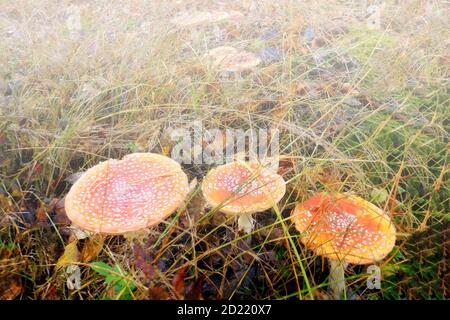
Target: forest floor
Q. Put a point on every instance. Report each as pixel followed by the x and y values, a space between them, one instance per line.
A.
pixel 359 94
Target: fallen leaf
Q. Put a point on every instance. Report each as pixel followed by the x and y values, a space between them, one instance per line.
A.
pixel 2 138
pixel 194 290
pixel 41 216
pixel 5 202
pixel 71 255
pixel 285 166
pixel 76 233
pixel 144 262
pixel 10 288
pixel 178 280
pixel 157 293
pixel 91 248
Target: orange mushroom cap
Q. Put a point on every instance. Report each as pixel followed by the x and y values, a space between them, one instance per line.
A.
pixel 344 227
pixel 118 196
pixel 241 188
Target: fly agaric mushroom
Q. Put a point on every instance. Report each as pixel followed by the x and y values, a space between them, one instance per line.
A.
pixel 118 196
pixel 242 188
pixel 345 229
pixel 228 60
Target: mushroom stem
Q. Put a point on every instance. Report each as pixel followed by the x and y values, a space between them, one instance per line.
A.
pixel 245 222
pixel 337 278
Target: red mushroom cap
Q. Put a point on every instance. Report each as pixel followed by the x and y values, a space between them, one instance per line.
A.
pixel 118 196
pixel 240 188
pixel 344 227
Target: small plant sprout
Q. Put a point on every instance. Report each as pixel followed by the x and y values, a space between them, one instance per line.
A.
pixel 119 196
pixel 345 229
pixel 243 188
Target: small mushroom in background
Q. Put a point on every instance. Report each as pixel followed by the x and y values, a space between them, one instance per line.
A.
pixel 239 62
pixel 119 196
pixel 217 55
pixel 230 60
pixel 345 229
pixel 243 188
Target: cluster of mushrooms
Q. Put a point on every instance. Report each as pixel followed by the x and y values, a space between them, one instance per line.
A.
pixel 142 189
